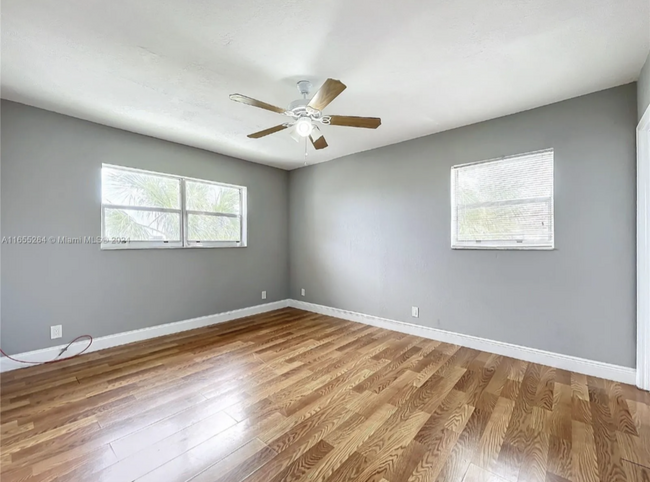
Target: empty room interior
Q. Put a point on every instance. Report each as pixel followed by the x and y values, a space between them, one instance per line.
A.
pixel 264 241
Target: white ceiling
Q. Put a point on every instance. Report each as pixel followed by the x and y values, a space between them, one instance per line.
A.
pixel 165 67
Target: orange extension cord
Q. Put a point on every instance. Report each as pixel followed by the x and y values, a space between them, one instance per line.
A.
pixel 57 359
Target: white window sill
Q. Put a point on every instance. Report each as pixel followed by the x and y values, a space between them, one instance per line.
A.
pixel 508 248
pixel 129 246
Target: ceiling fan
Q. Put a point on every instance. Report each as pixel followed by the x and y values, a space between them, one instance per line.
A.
pixel 306 113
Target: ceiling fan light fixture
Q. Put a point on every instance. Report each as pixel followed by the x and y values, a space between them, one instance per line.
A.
pixel 304 127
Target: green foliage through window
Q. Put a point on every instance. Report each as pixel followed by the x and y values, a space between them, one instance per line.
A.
pixel 144 206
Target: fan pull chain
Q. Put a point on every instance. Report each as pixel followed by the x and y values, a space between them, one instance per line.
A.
pixel 304 96
pixel 305 151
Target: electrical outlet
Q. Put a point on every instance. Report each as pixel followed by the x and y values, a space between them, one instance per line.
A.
pixel 302 292
pixel 415 312
pixel 263 295
pixel 56 331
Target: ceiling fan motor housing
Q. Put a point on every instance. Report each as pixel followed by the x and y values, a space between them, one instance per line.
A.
pixel 299 105
pixel 299 108
pixel 304 87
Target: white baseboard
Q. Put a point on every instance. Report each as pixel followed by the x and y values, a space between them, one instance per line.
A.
pixel 138 335
pixel 556 360
pixel 566 362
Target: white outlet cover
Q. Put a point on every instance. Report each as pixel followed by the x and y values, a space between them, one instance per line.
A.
pixel 263 295
pixel 302 292
pixel 56 331
pixel 415 311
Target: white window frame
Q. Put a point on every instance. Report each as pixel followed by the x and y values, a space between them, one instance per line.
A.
pixel 182 212
pixel 506 244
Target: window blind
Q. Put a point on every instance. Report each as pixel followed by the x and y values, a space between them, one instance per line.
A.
pixel 504 203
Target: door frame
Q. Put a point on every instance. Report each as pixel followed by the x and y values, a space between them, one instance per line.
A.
pixel 643 251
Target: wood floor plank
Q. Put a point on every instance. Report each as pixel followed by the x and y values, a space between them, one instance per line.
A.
pixel 167 449
pixel 492 439
pixel 635 472
pixel 235 466
pixel 559 457
pixel 290 395
pixel 247 467
pixel 198 413
pixel 584 461
pixel 477 474
pixel 606 442
pixel 433 461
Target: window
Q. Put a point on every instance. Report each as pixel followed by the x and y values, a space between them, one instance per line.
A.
pixel 153 210
pixel 504 203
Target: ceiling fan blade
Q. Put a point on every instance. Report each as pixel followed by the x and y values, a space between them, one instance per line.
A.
pixel 317 139
pixel 352 121
pixel 256 103
pixel 266 132
pixel 326 94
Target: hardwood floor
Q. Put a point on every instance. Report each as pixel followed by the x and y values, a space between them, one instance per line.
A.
pixel 290 395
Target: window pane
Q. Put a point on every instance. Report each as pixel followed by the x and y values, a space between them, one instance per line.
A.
pixel 508 200
pixel 201 196
pixel 213 228
pixel 527 222
pixel 142 225
pixel 129 188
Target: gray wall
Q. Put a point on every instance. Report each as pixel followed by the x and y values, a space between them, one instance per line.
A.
pixel 643 88
pixel 371 233
pixel 51 186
